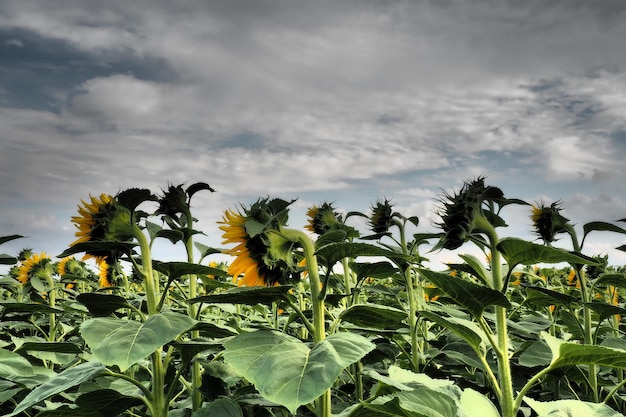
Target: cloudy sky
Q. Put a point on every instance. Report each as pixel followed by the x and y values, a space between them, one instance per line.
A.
pixel 345 102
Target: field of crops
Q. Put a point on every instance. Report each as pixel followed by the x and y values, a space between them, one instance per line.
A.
pixel 318 319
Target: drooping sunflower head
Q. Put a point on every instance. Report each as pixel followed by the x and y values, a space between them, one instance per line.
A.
pixel 106 273
pixel 594 271
pixel 69 265
pixel 381 218
pixel 176 200
pixel 262 255
pixel 547 221
pixel 102 219
pixel 37 265
pixel 461 211
pixel 323 219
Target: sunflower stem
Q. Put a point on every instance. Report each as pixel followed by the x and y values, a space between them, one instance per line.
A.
pixel 157 397
pixel 196 372
pixel 586 299
pixel 507 398
pixel 317 300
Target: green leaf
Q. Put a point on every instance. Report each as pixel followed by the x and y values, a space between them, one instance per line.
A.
pixel 107 399
pixel 570 408
pixel 330 254
pixel 4 239
pixel 7 259
pixel 66 379
pixel 28 308
pixel 246 295
pixel 475 404
pixel 124 343
pixel 287 371
pixel 381 270
pixel 544 297
pixel 472 296
pixel 391 408
pixel 423 401
pixel 517 251
pixel 537 354
pixel 604 310
pixel 374 316
pixel 567 354
pixel 222 407
pixel 14 365
pixel 101 304
pixel 477 268
pixel 67 411
pixel 175 270
pixel 467 330
pixel 58 347
pixel 618 280
pixel 600 226
pixel 103 247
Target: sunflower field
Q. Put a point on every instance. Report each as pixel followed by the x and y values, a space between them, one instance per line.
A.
pixel 318 320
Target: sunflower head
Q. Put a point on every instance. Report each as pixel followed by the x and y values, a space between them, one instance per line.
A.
pixel 107 272
pixel 102 219
pixel 323 219
pixel 594 271
pixel 70 265
pixel 548 222
pixel 36 266
pixel 176 200
pixel 264 256
pixel 460 212
pixel 381 218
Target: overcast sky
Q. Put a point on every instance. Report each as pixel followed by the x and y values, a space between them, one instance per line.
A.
pixel 339 101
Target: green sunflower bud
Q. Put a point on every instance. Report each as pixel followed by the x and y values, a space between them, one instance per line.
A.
pixel 548 222
pixel 381 219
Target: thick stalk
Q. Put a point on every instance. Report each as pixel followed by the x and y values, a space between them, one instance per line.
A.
pixel 157 395
pixel 587 321
pixel 416 347
pixel 507 399
pixel 317 301
pixel 196 372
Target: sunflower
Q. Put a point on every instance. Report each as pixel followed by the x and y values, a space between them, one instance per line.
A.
pixel 102 219
pixel 548 222
pixel 465 214
pixel 382 217
pixel 37 264
pixel 263 254
pixel 323 219
pixel 244 264
pixel 105 272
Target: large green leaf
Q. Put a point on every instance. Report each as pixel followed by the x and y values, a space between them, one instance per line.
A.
pixel 174 270
pixel 424 402
pixel 567 354
pixel 102 304
pixel 124 343
pixel 381 269
pixel 14 365
pixel 600 226
pixel 391 408
pixel 468 330
pixel 66 379
pixel 570 408
pixel 222 407
pixel 374 316
pixel 245 295
pixel 286 370
pixel 472 296
pixel 107 399
pixel 330 254
pixel 518 251
pixel 475 404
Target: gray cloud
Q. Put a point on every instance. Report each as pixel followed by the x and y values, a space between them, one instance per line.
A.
pixel 264 97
